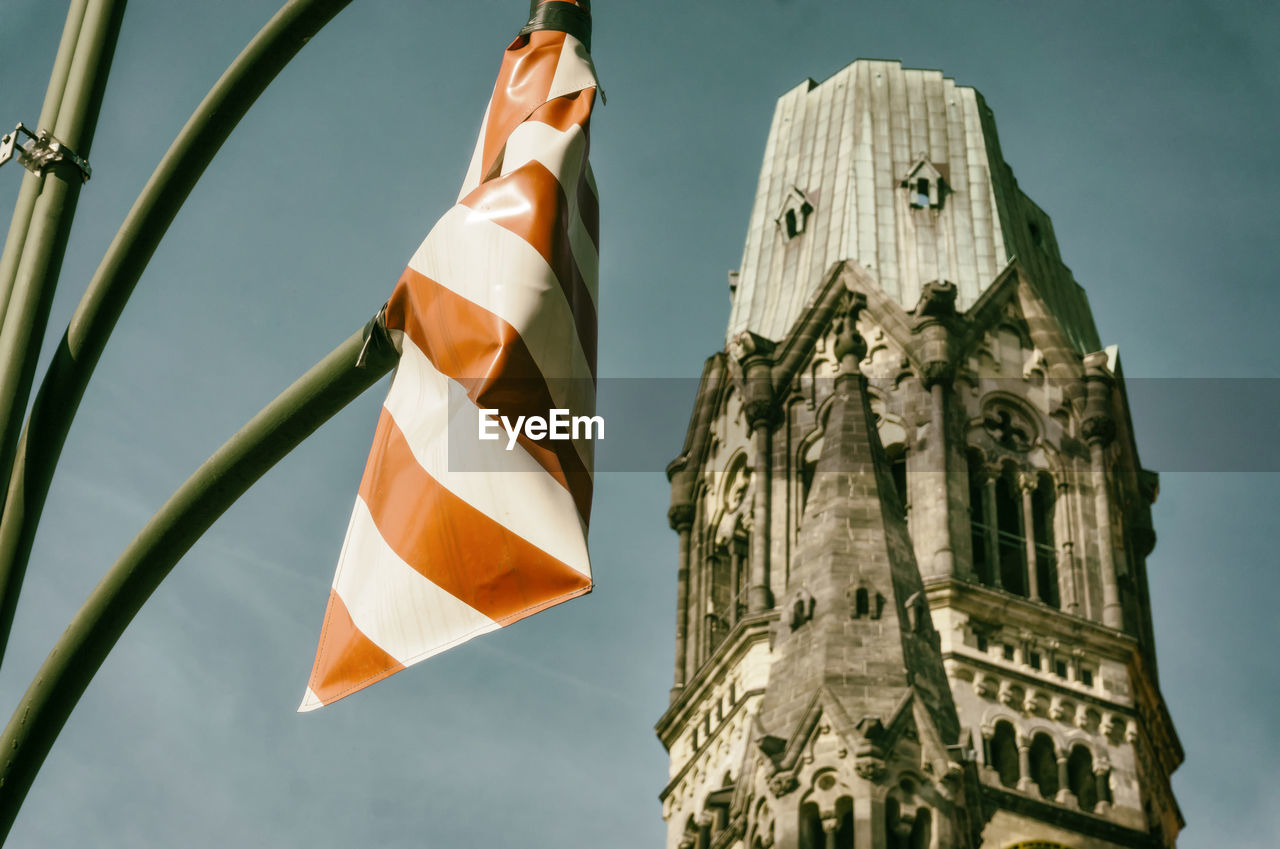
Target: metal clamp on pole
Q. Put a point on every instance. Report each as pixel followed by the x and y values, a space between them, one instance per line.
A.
pixel 42 153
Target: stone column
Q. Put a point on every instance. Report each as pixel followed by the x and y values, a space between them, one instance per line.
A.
pixel 1099 429
pixel 830 825
pixel 694 607
pixel 1067 577
pixel 935 314
pixel 1027 483
pixel 1064 788
pixel 1112 614
pixel 760 597
pixel 1024 763
pixel 1101 775
pixel 753 353
pixel 944 562
pixel 993 533
pixel 680 516
pixel 737 547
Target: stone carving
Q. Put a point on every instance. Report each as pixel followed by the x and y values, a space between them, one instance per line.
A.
pixel 782 784
pixel 1008 429
pixel 872 769
pixel 868 753
pixel 802 604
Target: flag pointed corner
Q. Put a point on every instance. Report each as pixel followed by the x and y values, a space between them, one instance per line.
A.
pixel 310 701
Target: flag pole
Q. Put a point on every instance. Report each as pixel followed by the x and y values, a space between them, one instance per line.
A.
pixel 30 189
pixel 48 228
pixel 104 300
pixel 282 425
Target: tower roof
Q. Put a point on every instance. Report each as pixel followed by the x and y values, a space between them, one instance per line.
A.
pixel 858 148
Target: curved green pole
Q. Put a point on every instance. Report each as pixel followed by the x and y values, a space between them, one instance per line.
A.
pixel 49 227
pixel 209 126
pixel 30 182
pixel 324 390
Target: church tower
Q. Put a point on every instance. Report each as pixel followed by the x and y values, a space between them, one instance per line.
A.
pixel 912 604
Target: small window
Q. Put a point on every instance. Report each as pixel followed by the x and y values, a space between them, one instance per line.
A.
pixel 1033 658
pixel 922 192
pixel 1086 676
pixel 1008 652
pixel 1036 238
pixel 1060 668
pixel 794 214
pixel 982 642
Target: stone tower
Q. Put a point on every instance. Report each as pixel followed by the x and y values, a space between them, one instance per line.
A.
pixel 912 604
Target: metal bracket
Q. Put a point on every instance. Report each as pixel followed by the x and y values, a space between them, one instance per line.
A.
pixel 42 153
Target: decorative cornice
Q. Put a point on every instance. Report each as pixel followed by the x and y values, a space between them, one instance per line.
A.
pixel 1080 822
pixel 748 632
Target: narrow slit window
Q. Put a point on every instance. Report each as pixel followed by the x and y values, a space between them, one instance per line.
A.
pixel 922 192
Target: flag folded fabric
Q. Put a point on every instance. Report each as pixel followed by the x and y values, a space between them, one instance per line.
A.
pixel 453 537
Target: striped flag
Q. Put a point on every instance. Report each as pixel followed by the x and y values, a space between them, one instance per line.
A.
pixel 453 536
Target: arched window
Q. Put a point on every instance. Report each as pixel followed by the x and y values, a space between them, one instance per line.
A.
pixel 910 829
pixel 1011 544
pixel 1042 503
pixel 1080 777
pixel 1044 765
pixel 844 818
pixel 717 615
pixel 921 830
pixel 808 467
pixel 811 836
pixel 1004 754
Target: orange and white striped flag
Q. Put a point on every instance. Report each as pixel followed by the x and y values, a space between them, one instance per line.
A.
pixel 454 536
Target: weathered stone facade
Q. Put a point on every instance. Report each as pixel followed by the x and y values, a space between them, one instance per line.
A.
pixel 912 603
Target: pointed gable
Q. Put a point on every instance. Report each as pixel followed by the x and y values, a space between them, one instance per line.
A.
pixel 854 536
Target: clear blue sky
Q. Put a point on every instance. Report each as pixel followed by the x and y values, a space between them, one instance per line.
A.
pixel 1147 130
